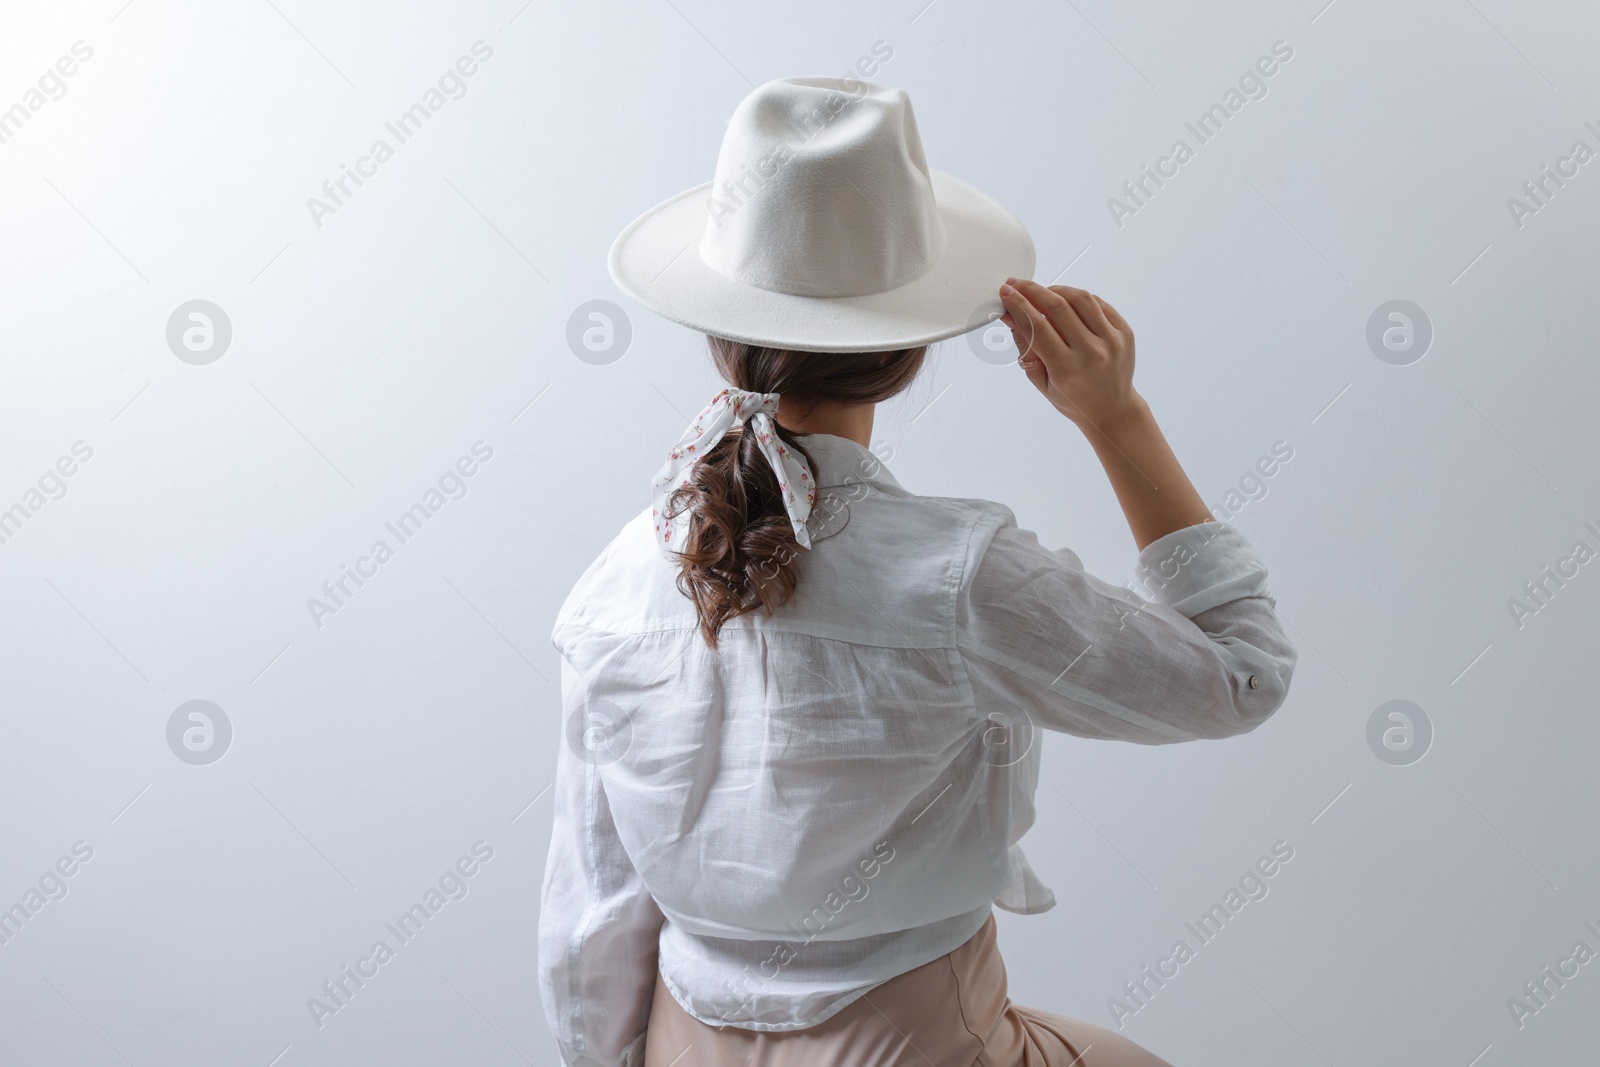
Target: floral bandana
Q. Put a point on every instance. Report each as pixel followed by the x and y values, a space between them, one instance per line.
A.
pixel 726 408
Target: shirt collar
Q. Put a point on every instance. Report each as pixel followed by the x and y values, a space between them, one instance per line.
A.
pixel 839 461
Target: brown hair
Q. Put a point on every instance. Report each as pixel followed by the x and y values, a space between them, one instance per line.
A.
pixel 739 550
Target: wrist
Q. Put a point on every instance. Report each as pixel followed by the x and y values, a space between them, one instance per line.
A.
pixel 1133 415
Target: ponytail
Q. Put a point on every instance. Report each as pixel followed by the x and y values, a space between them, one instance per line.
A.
pixel 740 552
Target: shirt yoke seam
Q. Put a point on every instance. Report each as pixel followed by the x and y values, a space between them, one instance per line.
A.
pixel 942 641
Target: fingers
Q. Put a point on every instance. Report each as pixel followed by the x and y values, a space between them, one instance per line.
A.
pixel 1062 322
pixel 1030 328
pixel 1062 315
pixel 1087 305
pixel 1116 320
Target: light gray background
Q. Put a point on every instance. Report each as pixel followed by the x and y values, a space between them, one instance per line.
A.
pixel 430 312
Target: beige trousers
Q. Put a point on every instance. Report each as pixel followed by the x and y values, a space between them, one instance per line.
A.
pixel 952 1012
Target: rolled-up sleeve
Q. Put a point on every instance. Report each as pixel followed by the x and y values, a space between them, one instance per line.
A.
pixel 598 925
pixel 1203 656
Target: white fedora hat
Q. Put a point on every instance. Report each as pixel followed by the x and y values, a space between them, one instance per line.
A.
pixel 824 230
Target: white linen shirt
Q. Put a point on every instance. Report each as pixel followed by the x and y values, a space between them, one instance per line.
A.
pixel 834 796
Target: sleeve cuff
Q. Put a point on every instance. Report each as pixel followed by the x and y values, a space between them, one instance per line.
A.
pixel 1025 893
pixel 633 1055
pixel 1198 567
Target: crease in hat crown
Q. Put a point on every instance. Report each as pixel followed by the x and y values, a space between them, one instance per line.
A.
pixel 822 189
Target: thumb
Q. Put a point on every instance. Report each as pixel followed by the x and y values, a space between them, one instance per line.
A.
pixel 1034 368
pixel 1028 360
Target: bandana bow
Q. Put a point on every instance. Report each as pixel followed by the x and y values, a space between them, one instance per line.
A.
pixel 726 408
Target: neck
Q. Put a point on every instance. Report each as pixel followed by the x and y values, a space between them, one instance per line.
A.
pixel 853 421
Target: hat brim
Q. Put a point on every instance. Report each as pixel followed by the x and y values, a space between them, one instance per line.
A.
pixel 656 260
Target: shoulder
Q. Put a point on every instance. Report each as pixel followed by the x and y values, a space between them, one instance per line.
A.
pixel 935 526
pixel 620 564
pixel 1012 552
pixel 903 554
pixel 971 525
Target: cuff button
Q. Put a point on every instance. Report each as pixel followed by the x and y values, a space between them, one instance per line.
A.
pixel 1254 683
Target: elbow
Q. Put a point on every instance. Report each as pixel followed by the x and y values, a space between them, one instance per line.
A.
pixel 1257 705
pixel 1256 692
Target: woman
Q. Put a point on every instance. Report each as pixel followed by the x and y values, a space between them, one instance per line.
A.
pixel 799 699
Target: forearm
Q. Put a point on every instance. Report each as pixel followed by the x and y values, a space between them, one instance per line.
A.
pixel 1155 493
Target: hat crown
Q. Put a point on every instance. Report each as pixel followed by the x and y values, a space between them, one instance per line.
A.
pixel 822 189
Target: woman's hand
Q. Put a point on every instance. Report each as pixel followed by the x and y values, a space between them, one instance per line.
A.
pixel 1076 350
